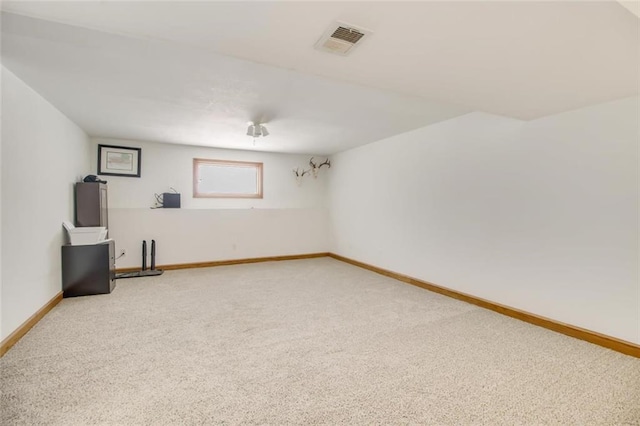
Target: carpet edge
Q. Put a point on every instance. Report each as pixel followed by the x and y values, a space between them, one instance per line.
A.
pixel 613 343
pixel 24 328
pixel 213 263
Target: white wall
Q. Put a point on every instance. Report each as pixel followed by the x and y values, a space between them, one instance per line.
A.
pixel 43 153
pixel 290 219
pixel 541 216
pixel 1 119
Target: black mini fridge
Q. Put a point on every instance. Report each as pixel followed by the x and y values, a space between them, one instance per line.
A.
pixel 88 269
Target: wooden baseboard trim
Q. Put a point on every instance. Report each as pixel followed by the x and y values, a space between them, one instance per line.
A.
pixel 230 262
pixel 13 338
pixel 613 343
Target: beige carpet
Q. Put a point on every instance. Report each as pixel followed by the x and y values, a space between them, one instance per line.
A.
pixel 303 342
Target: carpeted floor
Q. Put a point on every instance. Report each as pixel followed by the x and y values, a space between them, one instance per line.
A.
pixel 303 342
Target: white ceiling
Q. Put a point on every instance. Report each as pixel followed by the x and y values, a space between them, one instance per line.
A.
pixel 631 5
pixel 173 73
pixel 130 88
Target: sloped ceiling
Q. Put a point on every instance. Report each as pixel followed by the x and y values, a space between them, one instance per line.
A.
pixel 130 88
pixel 199 70
pixel 633 6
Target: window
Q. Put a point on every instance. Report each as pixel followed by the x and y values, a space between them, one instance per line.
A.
pixel 226 179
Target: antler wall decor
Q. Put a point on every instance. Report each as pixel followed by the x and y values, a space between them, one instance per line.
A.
pixel 299 174
pixel 315 168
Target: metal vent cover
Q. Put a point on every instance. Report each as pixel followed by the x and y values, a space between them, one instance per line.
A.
pixel 349 35
pixel 341 38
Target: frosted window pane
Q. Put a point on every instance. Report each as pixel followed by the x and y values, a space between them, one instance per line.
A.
pixel 232 179
pixel 228 180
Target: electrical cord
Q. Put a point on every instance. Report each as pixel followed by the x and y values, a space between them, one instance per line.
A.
pixel 159 201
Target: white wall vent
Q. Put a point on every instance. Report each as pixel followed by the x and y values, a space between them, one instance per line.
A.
pixel 341 38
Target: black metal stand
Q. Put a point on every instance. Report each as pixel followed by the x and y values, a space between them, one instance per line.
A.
pixel 144 272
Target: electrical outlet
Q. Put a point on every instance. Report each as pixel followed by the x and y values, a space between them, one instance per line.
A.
pixel 123 252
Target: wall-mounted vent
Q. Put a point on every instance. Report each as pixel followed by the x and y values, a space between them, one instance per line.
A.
pixel 342 38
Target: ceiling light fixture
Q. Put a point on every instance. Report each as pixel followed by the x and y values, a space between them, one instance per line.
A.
pixel 257 130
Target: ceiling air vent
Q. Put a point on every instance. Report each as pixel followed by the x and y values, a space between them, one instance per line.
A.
pixel 341 38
